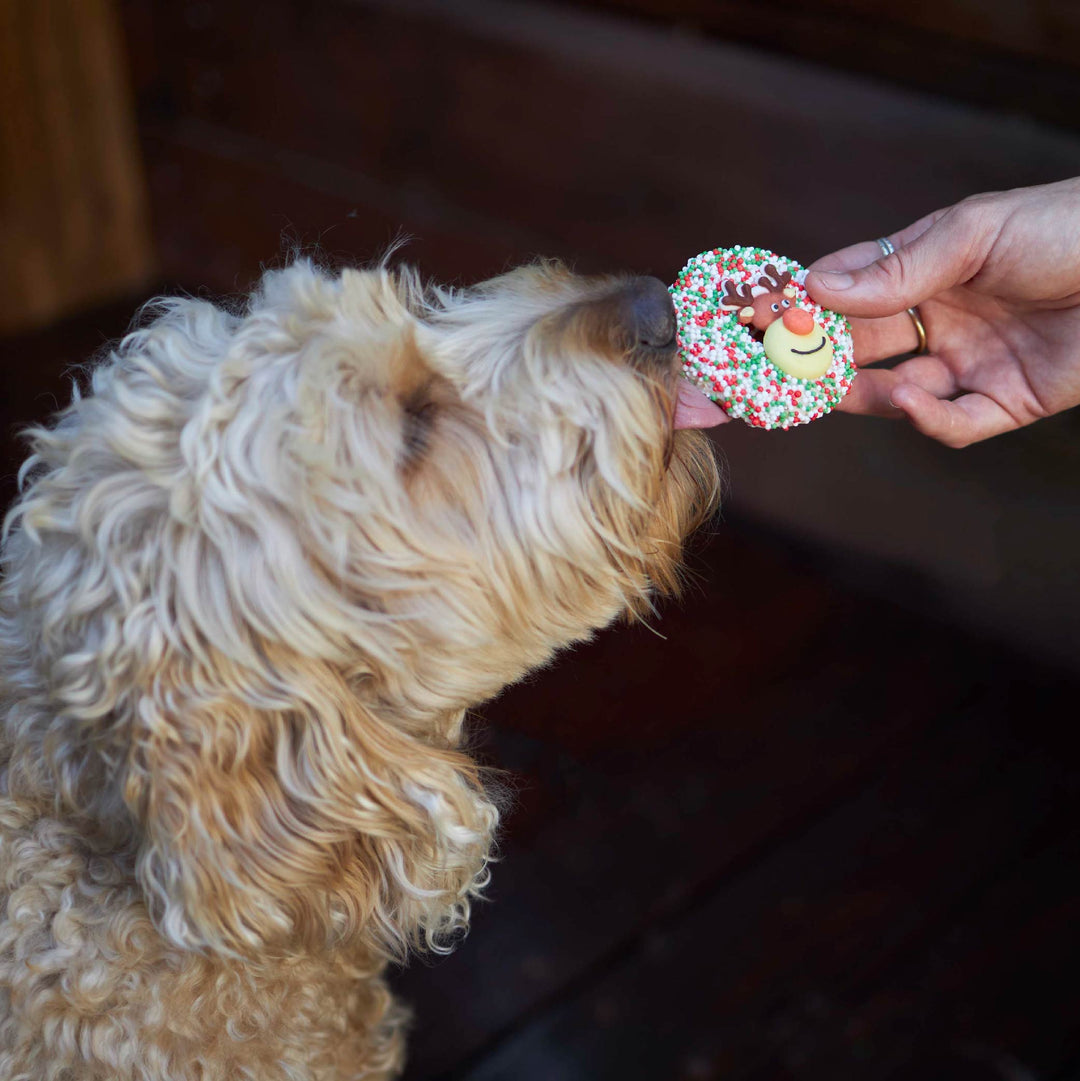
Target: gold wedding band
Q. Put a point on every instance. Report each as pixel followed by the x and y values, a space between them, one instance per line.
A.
pixel 886 246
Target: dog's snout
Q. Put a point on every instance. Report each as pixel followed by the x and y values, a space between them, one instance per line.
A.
pixel 650 313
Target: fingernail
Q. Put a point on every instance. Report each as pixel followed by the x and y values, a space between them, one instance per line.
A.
pixel 836 282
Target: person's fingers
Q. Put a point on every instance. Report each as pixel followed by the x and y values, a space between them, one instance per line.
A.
pixel 948 251
pixel 872 390
pixel 959 423
pixel 869 395
pixel 879 339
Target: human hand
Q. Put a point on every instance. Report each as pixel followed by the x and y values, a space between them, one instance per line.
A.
pixel 997 281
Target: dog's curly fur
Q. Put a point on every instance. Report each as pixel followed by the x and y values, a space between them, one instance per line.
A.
pixel 252 583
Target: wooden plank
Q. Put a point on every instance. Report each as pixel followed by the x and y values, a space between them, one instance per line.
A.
pixel 72 203
pixel 293 207
pixel 565 126
pixel 818 916
pixel 570 890
pixel 956 531
pixel 998 987
pixel 1014 55
pixel 1042 29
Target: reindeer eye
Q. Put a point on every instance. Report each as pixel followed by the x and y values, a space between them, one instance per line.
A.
pixel 776 307
pixel 787 303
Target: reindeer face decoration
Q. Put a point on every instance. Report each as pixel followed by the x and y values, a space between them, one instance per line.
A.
pixel 792 339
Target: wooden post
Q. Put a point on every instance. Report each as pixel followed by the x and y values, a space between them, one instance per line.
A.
pixel 73 218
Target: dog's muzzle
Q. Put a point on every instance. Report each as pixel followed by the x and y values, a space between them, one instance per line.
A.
pixel 649 314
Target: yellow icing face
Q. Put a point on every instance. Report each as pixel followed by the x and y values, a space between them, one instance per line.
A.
pixel 805 356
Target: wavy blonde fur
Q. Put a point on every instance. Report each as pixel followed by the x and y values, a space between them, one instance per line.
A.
pixel 252 583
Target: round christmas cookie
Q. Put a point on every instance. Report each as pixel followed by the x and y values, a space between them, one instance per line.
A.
pixel 754 342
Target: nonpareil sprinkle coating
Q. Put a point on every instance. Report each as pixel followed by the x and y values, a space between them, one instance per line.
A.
pixel 753 341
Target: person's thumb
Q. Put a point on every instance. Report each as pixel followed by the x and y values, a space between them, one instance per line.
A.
pixel 945 255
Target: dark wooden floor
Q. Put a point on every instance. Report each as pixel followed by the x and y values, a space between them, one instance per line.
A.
pixel 806 836
pixel 788 832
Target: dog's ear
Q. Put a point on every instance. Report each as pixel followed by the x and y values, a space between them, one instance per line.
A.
pixel 292 817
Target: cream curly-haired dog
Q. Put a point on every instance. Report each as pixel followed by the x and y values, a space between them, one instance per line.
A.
pixel 253 582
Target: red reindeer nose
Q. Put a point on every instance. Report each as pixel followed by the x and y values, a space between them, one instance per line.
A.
pixel 798 321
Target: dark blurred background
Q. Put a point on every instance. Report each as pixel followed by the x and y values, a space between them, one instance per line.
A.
pixel 822 825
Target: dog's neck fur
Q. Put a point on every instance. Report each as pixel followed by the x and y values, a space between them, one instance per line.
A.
pixel 77 919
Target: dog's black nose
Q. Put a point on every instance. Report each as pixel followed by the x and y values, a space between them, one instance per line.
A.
pixel 651 312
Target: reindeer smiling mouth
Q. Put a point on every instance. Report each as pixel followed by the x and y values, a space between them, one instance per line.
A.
pixel 809 352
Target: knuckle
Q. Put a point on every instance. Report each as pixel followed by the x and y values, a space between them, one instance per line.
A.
pixel 895 271
pixel 978 208
pixel 947 429
pixel 986 198
pixel 977 218
pixel 954 438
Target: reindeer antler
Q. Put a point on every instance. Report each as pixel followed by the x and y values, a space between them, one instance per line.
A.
pixel 772 279
pixel 736 294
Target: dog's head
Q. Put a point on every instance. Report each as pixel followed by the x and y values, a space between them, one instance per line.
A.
pixel 260 573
